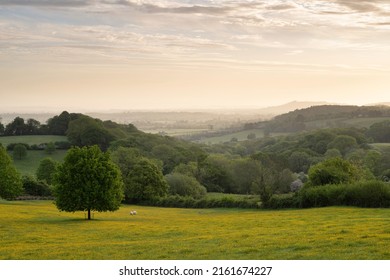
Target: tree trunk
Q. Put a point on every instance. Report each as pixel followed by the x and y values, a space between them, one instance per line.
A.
pixel 89 214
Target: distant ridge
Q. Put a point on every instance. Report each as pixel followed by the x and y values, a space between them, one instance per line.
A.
pixel 291 106
pixel 379 104
pixel 325 116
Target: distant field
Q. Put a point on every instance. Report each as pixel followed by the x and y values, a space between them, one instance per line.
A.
pixel 31 139
pixel 176 131
pixel 29 164
pixel 365 122
pixel 37 230
pixel 342 122
pixel 382 146
pixel 241 136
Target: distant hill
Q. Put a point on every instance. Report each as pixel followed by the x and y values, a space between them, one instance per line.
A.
pixel 328 116
pixel 291 106
pixel 379 104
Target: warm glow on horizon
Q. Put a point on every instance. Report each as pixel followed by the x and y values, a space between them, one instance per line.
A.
pixel 121 54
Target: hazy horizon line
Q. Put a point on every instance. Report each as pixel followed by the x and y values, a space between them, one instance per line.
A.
pixel 52 109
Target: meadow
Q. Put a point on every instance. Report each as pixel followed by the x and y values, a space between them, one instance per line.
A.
pixel 29 164
pixel 31 139
pixel 37 230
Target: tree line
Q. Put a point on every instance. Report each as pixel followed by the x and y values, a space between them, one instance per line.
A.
pixel 161 170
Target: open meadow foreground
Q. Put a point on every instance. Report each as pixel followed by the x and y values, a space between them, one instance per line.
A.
pixel 37 230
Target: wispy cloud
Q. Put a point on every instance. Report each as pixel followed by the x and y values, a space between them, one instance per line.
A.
pixel 237 29
pixel 46 3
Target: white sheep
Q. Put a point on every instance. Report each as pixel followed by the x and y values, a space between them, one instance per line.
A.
pixel 133 212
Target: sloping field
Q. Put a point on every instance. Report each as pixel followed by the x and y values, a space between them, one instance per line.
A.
pixel 37 230
pixel 29 164
pixel 31 139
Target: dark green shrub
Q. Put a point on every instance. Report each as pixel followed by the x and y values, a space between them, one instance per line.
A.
pixel 368 194
pixel 361 194
pixel 189 202
pixel 184 185
pixel 282 202
pixel 62 145
pixel 11 146
pixel 333 171
pixel 35 187
pixel 321 196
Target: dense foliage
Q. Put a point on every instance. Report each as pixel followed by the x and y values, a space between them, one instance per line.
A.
pixel 362 194
pixel 143 179
pixel 86 131
pixel 10 180
pixel 46 170
pixel 35 187
pixel 88 180
pixel 184 185
pixel 19 151
pixel 336 171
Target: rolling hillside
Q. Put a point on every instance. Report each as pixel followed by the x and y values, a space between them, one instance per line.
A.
pixel 315 117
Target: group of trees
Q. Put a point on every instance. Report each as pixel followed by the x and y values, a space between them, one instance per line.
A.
pixel 10 182
pixel 141 167
pixel 58 125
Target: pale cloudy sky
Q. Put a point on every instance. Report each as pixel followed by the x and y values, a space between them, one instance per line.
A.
pixel 140 54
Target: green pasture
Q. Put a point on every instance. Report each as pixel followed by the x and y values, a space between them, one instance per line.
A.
pixel 37 230
pixel 381 146
pixel 175 132
pixel 240 136
pixel 29 164
pixel 31 139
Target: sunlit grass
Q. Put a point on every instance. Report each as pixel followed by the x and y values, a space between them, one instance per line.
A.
pixel 37 230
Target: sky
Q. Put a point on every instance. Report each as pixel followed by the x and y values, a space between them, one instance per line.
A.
pixel 190 54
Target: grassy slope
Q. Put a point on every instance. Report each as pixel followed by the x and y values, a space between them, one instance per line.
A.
pixel 319 124
pixel 241 136
pixel 31 139
pixel 37 230
pixel 30 163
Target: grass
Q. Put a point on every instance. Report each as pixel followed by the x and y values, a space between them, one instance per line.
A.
pixel 176 131
pixel 29 164
pixel 37 230
pixel 381 146
pixel 31 139
pixel 240 136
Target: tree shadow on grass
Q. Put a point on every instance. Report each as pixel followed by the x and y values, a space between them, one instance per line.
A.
pixel 79 220
pixel 67 220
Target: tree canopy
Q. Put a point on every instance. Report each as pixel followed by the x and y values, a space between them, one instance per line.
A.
pixel 46 170
pixel 86 131
pixel 10 180
pixel 19 151
pixel 336 171
pixel 142 177
pixel 88 180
